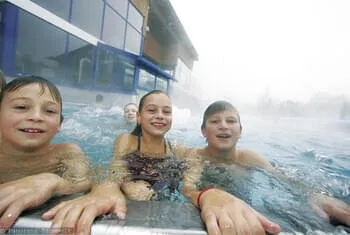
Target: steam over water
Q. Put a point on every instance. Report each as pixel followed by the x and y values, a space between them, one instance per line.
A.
pixel 314 153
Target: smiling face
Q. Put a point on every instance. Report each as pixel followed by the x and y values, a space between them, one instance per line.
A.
pixel 222 130
pixel 130 111
pixel 29 118
pixel 155 117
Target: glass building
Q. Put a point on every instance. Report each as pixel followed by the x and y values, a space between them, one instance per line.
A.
pixel 92 45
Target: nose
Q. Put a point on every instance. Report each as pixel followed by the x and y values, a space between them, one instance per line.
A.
pixel 159 114
pixel 223 124
pixel 36 114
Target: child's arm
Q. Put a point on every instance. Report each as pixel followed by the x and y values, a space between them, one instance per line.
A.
pixel 222 211
pixel 75 169
pixel 326 206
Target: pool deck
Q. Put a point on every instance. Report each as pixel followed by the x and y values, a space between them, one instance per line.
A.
pixel 143 217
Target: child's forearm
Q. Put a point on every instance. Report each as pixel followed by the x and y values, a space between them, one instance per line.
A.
pixel 191 194
pixel 65 187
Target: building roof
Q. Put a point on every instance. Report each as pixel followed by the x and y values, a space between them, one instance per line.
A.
pixel 162 16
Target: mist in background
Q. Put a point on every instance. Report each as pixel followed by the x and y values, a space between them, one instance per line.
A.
pixel 273 56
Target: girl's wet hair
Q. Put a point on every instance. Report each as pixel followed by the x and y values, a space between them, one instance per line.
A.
pixel 2 81
pixel 138 130
pixel 20 82
pixel 216 107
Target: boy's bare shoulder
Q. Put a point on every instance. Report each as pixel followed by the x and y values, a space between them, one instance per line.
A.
pixel 191 152
pixel 67 151
pixel 66 147
pixel 252 158
pixel 195 154
pixel 178 149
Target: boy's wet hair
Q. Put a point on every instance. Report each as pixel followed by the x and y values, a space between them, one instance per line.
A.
pixel 216 107
pixel 20 82
pixel 138 130
pixel 2 81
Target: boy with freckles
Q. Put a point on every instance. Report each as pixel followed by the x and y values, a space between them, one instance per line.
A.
pixel 32 170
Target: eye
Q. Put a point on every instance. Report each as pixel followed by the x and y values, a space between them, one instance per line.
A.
pixel 214 121
pixel 231 121
pixel 167 111
pixel 151 110
pixel 51 111
pixel 20 107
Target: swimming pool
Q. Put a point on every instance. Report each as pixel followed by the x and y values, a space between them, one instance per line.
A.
pixel 313 151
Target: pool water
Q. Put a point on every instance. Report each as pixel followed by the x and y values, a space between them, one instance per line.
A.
pixel 314 153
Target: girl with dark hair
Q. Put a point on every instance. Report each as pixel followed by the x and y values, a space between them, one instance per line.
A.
pixel 150 159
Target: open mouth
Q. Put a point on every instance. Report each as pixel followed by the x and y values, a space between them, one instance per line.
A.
pixel 223 136
pixel 31 130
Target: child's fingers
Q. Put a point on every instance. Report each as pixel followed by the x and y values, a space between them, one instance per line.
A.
pixel 53 211
pixel 268 225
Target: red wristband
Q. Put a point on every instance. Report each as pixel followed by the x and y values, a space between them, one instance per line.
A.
pixel 203 191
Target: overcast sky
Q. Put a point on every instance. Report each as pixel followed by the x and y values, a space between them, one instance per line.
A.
pixel 290 48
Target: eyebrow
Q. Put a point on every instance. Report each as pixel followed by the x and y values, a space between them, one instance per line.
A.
pixel 216 116
pixel 167 106
pixel 28 99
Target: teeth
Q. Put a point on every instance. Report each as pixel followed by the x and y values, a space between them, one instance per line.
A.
pixel 32 130
pixel 224 136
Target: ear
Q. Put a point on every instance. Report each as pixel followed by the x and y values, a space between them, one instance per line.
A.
pixel 204 132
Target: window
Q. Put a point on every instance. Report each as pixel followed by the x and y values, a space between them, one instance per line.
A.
pixel 132 41
pixel 135 18
pixel 115 71
pixel 146 80
pixel 79 69
pixel 40 47
pixel 162 84
pixel 113 29
pixel 59 8
pixel 119 6
pixel 87 14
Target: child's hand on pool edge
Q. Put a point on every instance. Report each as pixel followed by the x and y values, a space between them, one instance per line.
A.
pixel 224 213
pixel 28 192
pixel 80 213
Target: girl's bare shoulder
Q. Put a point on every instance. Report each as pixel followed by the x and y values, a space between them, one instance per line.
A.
pixel 125 138
pixel 124 144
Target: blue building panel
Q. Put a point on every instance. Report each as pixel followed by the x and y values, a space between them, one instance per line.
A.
pixel 33 45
